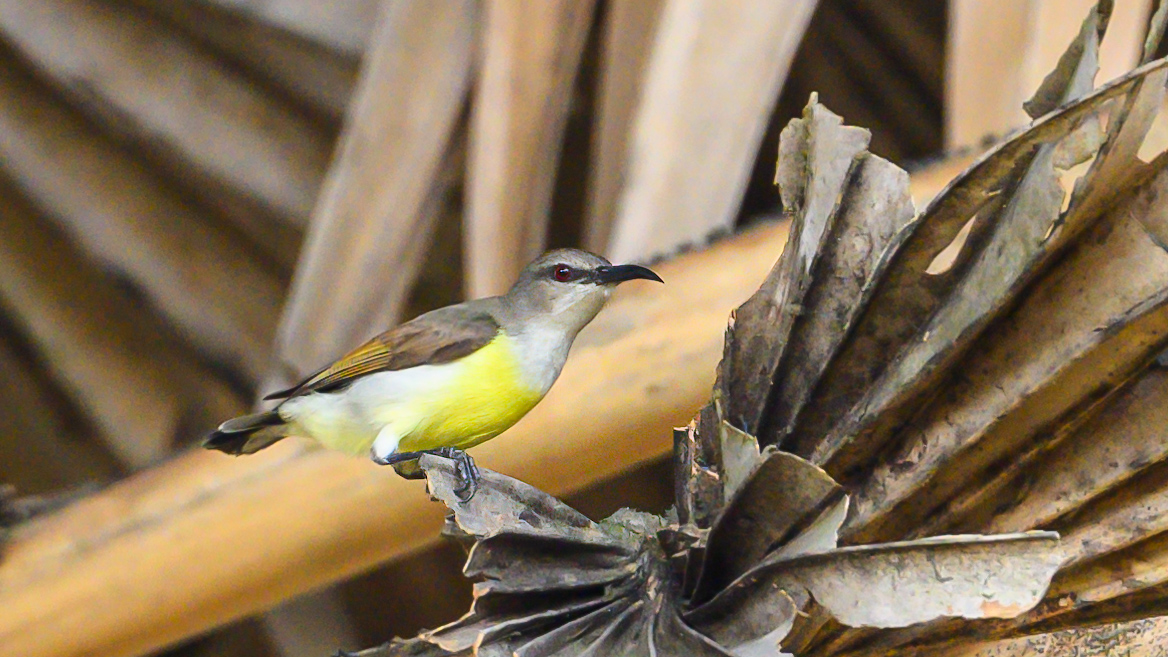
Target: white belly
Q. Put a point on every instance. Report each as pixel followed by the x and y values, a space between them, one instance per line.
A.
pixel 351 419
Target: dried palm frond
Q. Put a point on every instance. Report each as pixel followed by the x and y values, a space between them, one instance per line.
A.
pixel 989 363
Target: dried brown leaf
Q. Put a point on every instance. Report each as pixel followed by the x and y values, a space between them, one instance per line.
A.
pixel 1075 72
pixel 821 535
pixel 513 563
pixel 957 576
pixel 1122 441
pixel 671 636
pixel 483 627
pixel 555 583
pixel 817 154
pixel 1014 249
pixel 740 457
pixel 505 505
pixel 1117 170
pixel 1155 33
pixel 567 639
pixel 1103 315
pixel 749 617
pixel 784 495
pixel 969 577
pixel 627 634
pixel 907 297
pixel 874 209
pixel 697 482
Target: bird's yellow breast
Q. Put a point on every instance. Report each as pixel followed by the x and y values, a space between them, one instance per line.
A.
pixel 485 395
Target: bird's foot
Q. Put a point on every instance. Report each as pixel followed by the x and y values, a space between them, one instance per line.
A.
pixel 464 467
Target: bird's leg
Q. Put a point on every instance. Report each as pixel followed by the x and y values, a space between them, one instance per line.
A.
pixel 464 467
pixel 397 457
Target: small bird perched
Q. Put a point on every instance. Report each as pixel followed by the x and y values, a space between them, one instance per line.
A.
pixel 446 380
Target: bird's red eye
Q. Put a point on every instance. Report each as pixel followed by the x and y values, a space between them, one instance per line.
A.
pixel 563 273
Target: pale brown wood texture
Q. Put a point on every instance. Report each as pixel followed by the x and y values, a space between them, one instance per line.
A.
pixel 202 279
pixel 712 64
pixel 206 538
pixel 239 149
pixel 344 25
pixel 531 53
pixel 378 208
pixel 44 448
pixel 141 388
pixel 986 85
pixel 319 77
pixel 629 33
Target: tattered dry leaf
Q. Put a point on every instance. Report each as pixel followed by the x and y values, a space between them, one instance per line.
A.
pixel 1155 33
pixel 816 154
pixel 698 484
pixel 551 582
pixel 740 456
pixel 951 576
pixel 874 208
pixel 1109 450
pixel 554 583
pixel 875 398
pixel 1076 69
pixel 946 576
pixel 782 497
pixel 1103 318
pixel 508 506
pixel 1103 313
pixel 1079 324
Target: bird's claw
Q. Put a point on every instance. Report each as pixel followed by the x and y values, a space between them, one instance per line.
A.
pixel 465 469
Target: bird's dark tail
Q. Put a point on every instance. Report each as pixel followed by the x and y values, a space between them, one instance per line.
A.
pixel 247 434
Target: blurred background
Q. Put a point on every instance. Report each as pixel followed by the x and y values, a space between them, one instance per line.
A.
pixel 201 200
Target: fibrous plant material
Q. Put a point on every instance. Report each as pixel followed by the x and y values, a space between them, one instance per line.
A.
pixel 929 364
pixel 552 582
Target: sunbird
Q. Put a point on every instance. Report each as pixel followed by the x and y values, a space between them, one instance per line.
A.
pixel 447 380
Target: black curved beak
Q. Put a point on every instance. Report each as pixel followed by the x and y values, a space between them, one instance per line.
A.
pixel 621 273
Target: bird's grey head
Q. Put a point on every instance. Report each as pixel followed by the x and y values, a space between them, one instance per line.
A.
pixel 568 287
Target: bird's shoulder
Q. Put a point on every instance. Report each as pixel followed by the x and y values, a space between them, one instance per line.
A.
pixel 439 336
